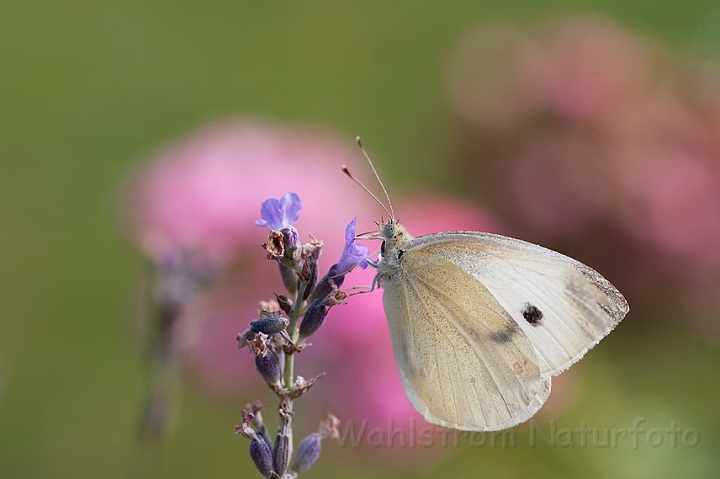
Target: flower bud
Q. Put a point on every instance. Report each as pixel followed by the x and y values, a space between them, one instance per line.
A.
pixel 313 318
pixel 307 453
pixel 264 435
pixel 291 243
pixel 257 421
pixel 259 449
pixel 309 273
pixel 282 449
pixel 281 453
pixel 261 456
pixel 289 278
pixel 273 323
pixel 330 282
pixel 309 449
pixel 268 368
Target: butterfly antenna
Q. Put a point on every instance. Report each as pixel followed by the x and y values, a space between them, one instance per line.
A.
pixel 347 172
pixel 391 212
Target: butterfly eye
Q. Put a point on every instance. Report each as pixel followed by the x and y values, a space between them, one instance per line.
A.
pixel 389 230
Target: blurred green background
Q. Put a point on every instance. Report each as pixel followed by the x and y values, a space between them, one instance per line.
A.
pixel 89 88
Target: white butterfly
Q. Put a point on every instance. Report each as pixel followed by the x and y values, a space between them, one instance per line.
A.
pixel 481 322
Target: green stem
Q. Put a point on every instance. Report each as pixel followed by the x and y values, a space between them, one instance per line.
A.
pixel 287 380
pixel 298 310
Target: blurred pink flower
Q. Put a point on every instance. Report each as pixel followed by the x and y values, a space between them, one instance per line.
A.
pixel 675 206
pixel 205 191
pixel 614 147
pixel 662 171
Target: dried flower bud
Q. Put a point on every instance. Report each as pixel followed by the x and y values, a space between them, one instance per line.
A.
pixel 281 453
pixel 289 278
pixel 261 456
pixel 313 318
pixel 259 449
pixel 284 303
pixel 268 368
pixel 282 449
pixel 313 249
pixel 275 245
pixel 335 299
pixel 309 449
pixel 264 435
pixel 272 323
pixel 309 274
pixel 257 342
pixel 268 307
pixel 307 453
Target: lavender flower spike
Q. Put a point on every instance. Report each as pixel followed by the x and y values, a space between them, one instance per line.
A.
pixel 354 254
pixel 278 214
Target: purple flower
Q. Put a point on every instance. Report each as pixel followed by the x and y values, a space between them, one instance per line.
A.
pixel 353 254
pixel 278 214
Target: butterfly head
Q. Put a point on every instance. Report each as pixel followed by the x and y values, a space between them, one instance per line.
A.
pixel 394 235
pixel 389 229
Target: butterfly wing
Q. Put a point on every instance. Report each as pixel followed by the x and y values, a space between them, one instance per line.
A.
pixel 563 306
pixel 463 360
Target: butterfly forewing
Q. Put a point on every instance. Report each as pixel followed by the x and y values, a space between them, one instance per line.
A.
pixel 463 359
pixel 562 306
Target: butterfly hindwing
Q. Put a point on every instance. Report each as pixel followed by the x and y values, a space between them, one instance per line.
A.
pixel 463 359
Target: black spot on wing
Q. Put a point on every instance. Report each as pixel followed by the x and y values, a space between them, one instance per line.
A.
pixel 532 314
pixel 505 335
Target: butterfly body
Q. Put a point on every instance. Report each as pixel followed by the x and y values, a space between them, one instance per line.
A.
pixel 481 322
pixel 396 241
